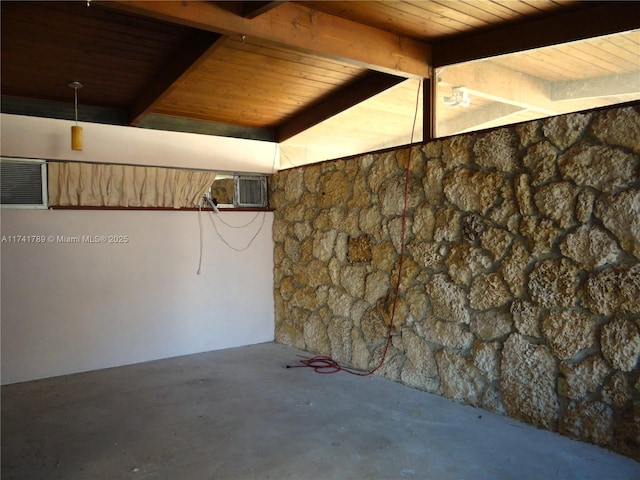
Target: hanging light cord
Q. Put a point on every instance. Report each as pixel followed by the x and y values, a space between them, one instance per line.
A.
pixel 75 90
pixel 326 365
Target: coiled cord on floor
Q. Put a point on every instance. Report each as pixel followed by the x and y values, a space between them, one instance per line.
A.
pixel 327 365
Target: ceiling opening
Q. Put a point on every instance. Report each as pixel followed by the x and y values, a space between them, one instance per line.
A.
pixel 537 83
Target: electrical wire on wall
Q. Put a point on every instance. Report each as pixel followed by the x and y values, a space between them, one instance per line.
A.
pixel 213 212
pixel 227 243
pixel 201 238
pixel 326 365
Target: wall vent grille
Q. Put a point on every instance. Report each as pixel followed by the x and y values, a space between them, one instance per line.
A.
pixel 250 191
pixel 23 183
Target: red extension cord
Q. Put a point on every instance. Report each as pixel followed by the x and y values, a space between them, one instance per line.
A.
pixel 327 365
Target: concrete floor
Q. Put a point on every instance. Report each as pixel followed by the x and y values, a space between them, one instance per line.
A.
pixel 239 414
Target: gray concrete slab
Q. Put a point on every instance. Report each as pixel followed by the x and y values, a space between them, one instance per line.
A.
pixel 239 414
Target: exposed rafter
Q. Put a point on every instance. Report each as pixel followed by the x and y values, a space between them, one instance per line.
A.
pixel 476 119
pixel 500 84
pixel 606 86
pixel 188 59
pixel 302 29
pixel 364 88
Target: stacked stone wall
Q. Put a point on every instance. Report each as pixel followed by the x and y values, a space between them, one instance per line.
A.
pixel 520 285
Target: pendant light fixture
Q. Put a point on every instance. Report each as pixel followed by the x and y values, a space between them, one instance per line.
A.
pixel 76 131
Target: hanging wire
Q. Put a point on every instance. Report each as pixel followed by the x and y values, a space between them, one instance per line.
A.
pixel 215 227
pixel 327 365
pixel 239 226
pixel 242 249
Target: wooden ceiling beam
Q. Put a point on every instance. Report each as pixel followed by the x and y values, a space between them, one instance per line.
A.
pixel 298 28
pixel 476 119
pixel 494 82
pixel 347 97
pixel 605 86
pixel 488 80
pixel 190 57
pixel 593 19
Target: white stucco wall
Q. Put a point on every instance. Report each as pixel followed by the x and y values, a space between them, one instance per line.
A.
pixel 72 307
pixel 48 138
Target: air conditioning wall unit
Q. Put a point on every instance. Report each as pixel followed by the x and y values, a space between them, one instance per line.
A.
pixel 250 191
pixel 23 183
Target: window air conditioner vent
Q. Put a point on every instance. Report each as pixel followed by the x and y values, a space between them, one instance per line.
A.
pixel 23 183
pixel 250 191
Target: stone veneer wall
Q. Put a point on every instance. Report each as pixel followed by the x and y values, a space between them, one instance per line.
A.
pixel 520 288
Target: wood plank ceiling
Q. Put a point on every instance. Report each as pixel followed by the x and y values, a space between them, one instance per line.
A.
pixel 548 81
pixel 323 78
